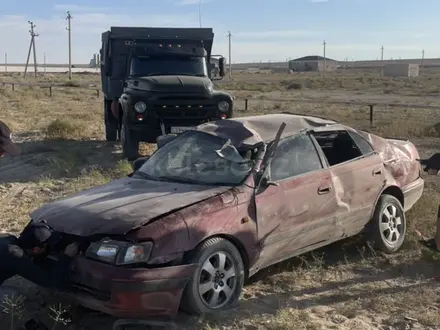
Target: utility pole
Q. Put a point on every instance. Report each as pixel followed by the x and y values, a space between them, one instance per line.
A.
pixel 200 13
pixel 69 30
pixel 32 46
pixel 230 54
pixel 381 61
pixel 6 62
pixel 423 57
pixel 325 63
pixel 44 63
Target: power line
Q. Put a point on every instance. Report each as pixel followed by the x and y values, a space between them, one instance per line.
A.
pixel 230 54
pixel 69 30
pixel 32 46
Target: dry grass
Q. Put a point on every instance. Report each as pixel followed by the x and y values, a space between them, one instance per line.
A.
pixel 428 83
pixel 345 286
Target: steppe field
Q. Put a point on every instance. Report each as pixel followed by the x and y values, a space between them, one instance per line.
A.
pixel 345 286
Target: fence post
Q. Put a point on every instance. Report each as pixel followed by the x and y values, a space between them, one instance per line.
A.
pixel 50 90
pixel 97 93
pixel 13 87
pixel 245 104
pixel 371 114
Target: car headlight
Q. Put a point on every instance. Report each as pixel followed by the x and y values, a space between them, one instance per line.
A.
pixel 223 106
pixel 119 253
pixel 140 107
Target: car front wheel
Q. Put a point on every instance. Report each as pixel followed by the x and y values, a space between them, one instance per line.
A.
pixel 217 281
pixel 388 227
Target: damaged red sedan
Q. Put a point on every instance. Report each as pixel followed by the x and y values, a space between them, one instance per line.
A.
pixel 215 204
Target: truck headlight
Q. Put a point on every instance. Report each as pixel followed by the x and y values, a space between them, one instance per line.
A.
pixel 140 107
pixel 119 253
pixel 223 106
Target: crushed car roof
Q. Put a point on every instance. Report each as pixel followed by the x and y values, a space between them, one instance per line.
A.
pixel 249 131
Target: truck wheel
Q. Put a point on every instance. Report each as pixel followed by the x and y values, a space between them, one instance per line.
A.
pixel 111 132
pixel 218 279
pixel 130 144
pixel 388 226
pixel 111 126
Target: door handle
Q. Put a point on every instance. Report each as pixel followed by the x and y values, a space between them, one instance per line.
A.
pixel 324 190
pixel 377 172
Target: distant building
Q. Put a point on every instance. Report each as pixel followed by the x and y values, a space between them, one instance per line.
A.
pixel 401 70
pixel 313 63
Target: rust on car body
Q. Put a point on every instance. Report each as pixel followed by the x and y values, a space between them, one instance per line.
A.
pixel 306 195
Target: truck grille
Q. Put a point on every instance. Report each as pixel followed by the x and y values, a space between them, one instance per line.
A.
pixel 181 109
pixel 182 98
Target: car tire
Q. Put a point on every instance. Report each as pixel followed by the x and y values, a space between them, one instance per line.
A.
pixel 205 286
pixel 388 226
pixel 130 144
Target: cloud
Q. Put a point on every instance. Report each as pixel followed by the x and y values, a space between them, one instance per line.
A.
pixel 274 45
pixel 276 34
pixel 192 2
pixel 79 9
pixel 87 28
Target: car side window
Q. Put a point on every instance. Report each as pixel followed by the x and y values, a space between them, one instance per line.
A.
pixel 295 155
pixel 364 147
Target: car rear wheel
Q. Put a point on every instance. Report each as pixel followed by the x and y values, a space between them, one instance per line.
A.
pixel 217 281
pixel 388 227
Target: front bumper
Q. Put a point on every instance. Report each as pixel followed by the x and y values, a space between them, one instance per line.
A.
pixel 128 292
pixel 413 192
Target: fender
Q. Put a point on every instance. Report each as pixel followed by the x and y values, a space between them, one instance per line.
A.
pixel 115 106
pixel 385 187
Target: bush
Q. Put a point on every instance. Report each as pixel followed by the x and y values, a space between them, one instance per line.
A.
pixel 64 129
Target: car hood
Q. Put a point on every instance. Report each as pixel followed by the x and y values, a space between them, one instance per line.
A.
pixel 181 84
pixel 120 206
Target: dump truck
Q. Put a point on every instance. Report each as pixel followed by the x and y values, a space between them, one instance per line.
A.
pixel 159 81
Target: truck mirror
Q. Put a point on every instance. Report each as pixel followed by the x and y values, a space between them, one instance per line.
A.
pixel 221 66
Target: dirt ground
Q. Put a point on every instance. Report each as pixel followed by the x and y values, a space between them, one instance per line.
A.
pixel 344 286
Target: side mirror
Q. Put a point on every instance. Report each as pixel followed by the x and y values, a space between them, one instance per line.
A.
pixel 137 164
pixel 164 139
pixel 221 66
pixel 267 183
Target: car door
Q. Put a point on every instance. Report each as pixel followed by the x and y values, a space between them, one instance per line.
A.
pixel 296 205
pixel 358 182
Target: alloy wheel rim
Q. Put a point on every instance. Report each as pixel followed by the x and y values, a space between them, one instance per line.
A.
pixel 391 224
pixel 217 280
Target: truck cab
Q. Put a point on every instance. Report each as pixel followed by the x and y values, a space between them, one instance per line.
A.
pixel 159 81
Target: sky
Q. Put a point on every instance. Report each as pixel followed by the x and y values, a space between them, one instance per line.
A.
pixel 262 30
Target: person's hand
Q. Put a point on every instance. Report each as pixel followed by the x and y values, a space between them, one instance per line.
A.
pixel 71 250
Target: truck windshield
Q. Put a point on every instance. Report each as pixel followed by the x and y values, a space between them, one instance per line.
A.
pixel 198 158
pixel 168 65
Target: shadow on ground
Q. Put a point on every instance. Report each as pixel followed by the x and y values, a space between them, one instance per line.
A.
pixel 58 159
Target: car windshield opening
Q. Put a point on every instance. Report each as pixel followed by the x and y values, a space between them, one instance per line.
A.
pixel 199 158
pixel 168 65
